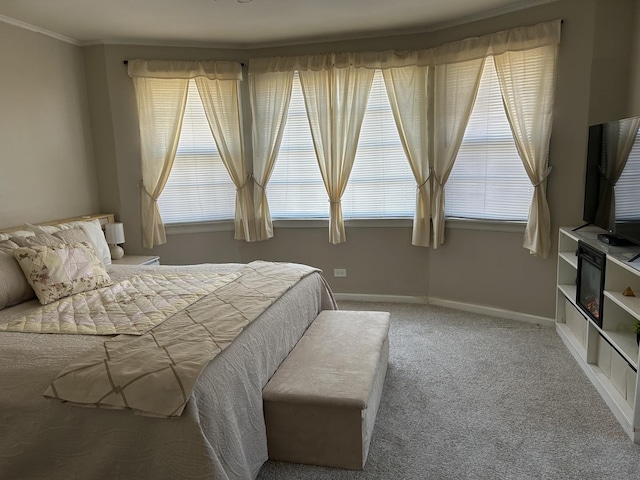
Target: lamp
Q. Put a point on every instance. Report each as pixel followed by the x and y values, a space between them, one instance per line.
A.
pixel 114 233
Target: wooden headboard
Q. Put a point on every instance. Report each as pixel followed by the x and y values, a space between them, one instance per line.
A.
pixel 102 217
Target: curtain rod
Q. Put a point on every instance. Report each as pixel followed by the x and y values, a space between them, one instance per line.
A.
pixel 126 62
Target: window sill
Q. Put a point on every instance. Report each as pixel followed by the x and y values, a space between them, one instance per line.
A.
pixel 453 223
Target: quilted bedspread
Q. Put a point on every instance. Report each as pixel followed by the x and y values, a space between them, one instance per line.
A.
pixel 155 373
pixel 131 306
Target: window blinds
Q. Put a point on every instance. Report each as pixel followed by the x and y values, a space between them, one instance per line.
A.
pixel 381 184
pixel 488 180
pixel 199 188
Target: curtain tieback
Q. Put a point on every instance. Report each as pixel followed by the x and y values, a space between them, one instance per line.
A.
pixel 423 183
pixel 544 177
pixel 142 187
pixel 256 182
pixel 245 183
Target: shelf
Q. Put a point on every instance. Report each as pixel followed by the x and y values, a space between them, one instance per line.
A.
pixel 569 291
pixel 570 340
pixel 570 258
pixel 629 304
pixel 625 343
pixel 608 356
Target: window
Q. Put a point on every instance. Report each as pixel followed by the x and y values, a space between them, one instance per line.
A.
pixel 199 188
pixel 381 184
pixel 626 188
pixel 488 180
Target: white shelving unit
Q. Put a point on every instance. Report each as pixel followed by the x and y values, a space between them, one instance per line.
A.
pixel 607 354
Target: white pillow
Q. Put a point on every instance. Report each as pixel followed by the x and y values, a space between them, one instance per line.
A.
pixel 93 229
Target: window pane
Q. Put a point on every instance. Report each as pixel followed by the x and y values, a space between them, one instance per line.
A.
pixel 626 188
pixel 295 189
pixel 488 180
pixel 381 184
pixel 199 188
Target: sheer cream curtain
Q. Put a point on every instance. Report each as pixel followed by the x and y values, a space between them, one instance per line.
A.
pixel 161 94
pixel 527 82
pixel 432 92
pixel 619 138
pixel 454 92
pixel 270 97
pixel 407 92
pixel 336 99
pixel 222 107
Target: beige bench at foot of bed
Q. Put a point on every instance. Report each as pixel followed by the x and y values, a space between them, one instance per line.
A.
pixel 320 406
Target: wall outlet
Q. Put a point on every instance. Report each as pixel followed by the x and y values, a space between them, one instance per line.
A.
pixel 339 272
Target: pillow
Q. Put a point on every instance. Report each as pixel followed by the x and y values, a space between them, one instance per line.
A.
pixel 93 229
pixel 17 233
pixel 57 271
pixel 14 288
pixel 73 235
pixel 36 240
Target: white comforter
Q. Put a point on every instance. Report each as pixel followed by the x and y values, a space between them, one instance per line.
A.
pixel 220 434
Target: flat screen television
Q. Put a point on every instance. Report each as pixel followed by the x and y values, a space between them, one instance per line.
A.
pixel 612 182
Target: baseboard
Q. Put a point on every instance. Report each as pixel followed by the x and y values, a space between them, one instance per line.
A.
pixel 364 297
pixel 466 307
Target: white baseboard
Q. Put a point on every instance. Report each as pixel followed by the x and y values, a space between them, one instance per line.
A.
pixel 466 307
pixel 364 297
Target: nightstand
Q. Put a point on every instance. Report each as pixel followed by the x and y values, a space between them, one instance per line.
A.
pixel 137 260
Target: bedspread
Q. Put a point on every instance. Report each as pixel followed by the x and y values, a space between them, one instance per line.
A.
pixel 131 306
pixel 219 436
pixel 155 373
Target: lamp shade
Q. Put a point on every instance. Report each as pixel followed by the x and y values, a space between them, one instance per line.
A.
pixel 114 233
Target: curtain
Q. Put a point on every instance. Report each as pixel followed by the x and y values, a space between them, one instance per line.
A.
pixel 527 82
pixel 618 138
pixel 161 104
pixel 222 107
pixel 407 92
pixel 336 100
pixel 455 87
pixel 161 95
pixel 270 97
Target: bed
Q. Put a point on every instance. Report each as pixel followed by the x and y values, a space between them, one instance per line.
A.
pixel 220 434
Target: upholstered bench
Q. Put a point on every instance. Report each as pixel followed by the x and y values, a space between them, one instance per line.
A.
pixel 320 406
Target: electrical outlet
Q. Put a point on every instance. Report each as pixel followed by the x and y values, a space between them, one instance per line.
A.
pixel 339 272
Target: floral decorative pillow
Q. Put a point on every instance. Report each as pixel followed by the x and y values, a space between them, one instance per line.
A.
pixel 57 271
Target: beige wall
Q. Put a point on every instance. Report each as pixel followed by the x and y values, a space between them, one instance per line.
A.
pixel 484 267
pixel 46 155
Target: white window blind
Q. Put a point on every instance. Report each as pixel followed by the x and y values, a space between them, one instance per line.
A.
pixel 381 184
pixel 626 188
pixel 488 180
pixel 296 189
pixel 199 188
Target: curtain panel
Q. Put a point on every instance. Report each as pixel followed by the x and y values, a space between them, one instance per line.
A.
pixel 270 98
pixel 161 105
pixel 336 100
pixel 222 107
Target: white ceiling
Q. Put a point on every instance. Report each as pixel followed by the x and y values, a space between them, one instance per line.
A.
pixel 236 24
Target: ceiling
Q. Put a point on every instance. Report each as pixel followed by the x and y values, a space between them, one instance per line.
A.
pixel 242 23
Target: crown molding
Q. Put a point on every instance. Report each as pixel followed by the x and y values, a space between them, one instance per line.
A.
pixel 33 28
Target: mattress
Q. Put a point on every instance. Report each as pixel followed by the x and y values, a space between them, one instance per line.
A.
pixel 220 434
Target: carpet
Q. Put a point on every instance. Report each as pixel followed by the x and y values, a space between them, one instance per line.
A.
pixel 470 396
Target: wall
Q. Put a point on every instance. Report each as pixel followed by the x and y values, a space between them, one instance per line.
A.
pixel 48 170
pixel 634 82
pixel 487 267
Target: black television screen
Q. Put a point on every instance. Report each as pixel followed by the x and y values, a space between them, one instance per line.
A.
pixel 612 181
